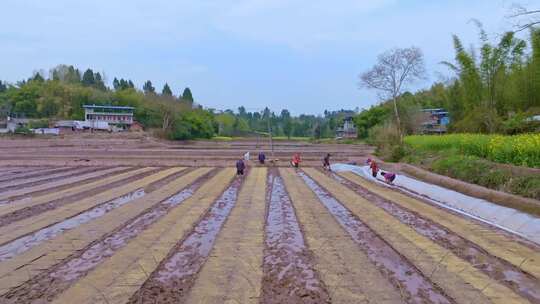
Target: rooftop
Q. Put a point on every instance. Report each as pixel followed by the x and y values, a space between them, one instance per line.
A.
pixel 108 107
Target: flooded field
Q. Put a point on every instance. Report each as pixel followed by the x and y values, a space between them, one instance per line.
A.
pixel 140 232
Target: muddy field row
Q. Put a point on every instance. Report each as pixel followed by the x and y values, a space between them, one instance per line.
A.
pixel 100 151
pixel 122 234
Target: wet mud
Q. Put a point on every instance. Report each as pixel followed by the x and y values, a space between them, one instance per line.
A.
pixel 426 199
pixel 24 243
pixel 31 173
pixel 68 185
pixel 25 213
pixel 47 178
pixel 288 272
pixel 521 283
pixel 10 171
pixel 44 287
pixel 412 284
pixel 176 274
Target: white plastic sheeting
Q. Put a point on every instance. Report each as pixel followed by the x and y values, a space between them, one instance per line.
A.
pixel 517 222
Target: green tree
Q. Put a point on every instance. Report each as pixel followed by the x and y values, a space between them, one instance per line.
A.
pixel 367 119
pixel 99 83
pixel 166 90
pixel 535 67
pixel 116 84
pixel 37 77
pixel 88 79
pixel 148 88
pixel 187 96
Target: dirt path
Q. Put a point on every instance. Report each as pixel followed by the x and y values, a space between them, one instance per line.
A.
pixel 497 244
pixel 27 202
pixel 233 272
pixel 163 234
pixel 505 273
pixel 346 270
pixel 173 278
pixel 288 272
pixel 31 172
pixel 19 210
pixel 22 244
pixel 459 279
pixel 136 260
pixel 23 227
pixel 27 172
pixel 412 284
pixel 93 174
pixel 34 181
pixel 75 242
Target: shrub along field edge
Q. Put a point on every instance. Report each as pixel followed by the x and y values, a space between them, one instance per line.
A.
pixel 520 150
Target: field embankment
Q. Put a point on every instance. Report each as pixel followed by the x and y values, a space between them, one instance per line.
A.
pixel 504 163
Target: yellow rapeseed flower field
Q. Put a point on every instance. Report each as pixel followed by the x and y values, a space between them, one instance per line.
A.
pixel 522 150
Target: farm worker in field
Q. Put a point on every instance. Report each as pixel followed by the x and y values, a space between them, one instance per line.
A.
pixel 326 162
pixel 240 167
pixel 262 158
pixel 388 177
pixel 374 168
pixel 296 160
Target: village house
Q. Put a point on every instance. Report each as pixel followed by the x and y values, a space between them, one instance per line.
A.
pixel 119 116
pixel 434 121
pixel 348 130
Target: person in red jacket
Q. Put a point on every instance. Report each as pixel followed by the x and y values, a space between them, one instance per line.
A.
pixel 296 160
pixel 374 168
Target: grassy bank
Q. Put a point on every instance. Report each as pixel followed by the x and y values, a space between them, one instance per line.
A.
pixel 479 171
pixel 520 150
pixel 503 163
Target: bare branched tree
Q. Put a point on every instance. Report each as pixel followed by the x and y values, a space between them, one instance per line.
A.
pixel 395 69
pixel 526 18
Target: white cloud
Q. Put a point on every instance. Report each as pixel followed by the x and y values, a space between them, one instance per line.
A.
pixel 321 45
pixel 299 24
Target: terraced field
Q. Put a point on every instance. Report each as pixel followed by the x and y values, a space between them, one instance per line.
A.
pixel 132 234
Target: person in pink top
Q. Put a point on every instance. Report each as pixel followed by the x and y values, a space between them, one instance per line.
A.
pixel 389 177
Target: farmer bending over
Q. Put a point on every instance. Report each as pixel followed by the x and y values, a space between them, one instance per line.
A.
pixel 388 177
pixel 262 158
pixel 296 160
pixel 240 167
pixel 326 162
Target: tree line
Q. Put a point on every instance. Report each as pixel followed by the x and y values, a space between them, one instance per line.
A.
pixel 242 122
pixel 62 94
pixel 495 88
pixel 66 90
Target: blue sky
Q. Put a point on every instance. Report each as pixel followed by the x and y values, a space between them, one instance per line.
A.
pixel 304 55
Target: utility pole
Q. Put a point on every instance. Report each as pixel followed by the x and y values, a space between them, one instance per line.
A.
pixel 270 133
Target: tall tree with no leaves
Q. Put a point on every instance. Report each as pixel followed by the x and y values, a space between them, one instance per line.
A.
pixel 526 18
pixel 395 69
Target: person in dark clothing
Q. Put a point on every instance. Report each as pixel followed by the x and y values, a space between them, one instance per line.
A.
pixel 240 167
pixel 262 158
pixel 326 162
